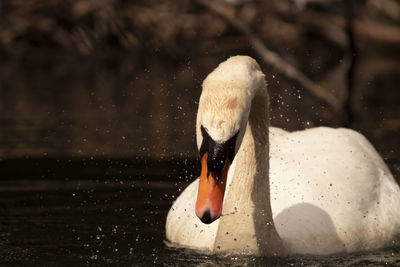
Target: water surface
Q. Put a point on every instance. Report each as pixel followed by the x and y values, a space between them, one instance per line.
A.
pixel 101 212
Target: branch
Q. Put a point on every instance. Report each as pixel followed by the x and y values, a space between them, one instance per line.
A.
pixel 332 27
pixel 377 31
pixel 273 58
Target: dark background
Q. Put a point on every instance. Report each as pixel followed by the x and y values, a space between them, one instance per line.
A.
pixel 98 103
pixel 118 78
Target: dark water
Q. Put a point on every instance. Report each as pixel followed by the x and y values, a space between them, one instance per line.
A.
pixel 99 212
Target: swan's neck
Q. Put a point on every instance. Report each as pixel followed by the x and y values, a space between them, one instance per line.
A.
pixel 246 223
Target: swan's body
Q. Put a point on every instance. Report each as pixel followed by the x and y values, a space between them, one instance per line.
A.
pixel 328 191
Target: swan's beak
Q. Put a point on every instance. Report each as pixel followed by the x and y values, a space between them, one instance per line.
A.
pixel 211 192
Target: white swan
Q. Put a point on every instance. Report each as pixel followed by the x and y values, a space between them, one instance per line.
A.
pixel 322 190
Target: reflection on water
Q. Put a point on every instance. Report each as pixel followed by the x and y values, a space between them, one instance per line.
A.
pixel 112 213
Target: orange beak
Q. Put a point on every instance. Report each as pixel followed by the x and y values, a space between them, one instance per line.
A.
pixel 211 192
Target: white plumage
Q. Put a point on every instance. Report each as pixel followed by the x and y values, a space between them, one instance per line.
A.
pixel 327 191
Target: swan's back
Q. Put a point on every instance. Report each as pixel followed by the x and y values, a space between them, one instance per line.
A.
pixel 331 191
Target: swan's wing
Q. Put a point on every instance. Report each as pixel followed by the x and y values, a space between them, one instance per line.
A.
pixel 183 228
pixel 275 132
pixel 331 191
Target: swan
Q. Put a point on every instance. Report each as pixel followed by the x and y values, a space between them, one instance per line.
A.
pixel 266 191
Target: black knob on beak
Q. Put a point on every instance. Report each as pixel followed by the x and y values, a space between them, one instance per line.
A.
pixel 216 158
pixel 218 153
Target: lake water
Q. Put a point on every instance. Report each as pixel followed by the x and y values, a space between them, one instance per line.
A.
pixel 100 212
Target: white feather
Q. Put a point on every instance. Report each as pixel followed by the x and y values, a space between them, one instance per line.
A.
pixel 330 191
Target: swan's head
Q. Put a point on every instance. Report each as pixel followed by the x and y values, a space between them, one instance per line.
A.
pixel 222 116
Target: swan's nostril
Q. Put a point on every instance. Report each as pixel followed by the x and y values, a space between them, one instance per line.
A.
pixel 206 218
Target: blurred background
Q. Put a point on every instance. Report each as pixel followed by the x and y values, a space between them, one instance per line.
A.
pixel 119 78
pixel 98 102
